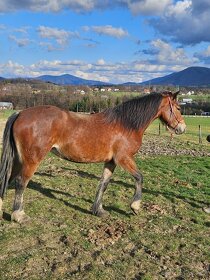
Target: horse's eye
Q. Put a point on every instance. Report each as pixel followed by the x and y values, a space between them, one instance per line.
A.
pixel 178 108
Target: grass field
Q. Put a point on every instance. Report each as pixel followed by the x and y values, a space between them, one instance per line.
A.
pixel 169 239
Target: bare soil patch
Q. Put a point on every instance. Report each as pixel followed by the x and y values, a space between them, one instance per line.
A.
pixel 154 145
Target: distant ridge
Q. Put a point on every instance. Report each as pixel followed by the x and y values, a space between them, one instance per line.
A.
pixel 191 76
pixel 67 79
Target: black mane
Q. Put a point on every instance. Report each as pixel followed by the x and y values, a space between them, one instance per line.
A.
pixel 134 113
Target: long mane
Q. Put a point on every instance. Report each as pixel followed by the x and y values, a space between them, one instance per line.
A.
pixel 135 113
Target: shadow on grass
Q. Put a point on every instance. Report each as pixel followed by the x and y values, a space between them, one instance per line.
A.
pixel 167 194
pixel 51 194
pixel 47 174
pixel 48 192
pixel 83 174
pixel 6 216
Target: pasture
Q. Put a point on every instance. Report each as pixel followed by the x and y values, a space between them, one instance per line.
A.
pixel 168 239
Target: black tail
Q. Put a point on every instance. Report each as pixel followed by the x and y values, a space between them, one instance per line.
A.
pixel 8 154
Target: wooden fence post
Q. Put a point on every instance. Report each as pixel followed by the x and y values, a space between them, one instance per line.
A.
pixel 200 134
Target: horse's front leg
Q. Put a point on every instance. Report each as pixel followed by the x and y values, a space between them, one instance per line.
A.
pixel 135 204
pixel 129 165
pixel 97 208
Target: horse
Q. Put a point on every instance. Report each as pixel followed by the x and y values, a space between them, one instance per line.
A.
pixel 113 136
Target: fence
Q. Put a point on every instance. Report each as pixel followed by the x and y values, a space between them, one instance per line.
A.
pixel 198 128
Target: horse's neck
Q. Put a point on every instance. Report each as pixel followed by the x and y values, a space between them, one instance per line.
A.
pixel 142 129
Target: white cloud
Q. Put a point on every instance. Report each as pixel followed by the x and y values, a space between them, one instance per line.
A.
pixel 148 7
pixel 48 5
pixel 180 8
pixel 12 69
pixel 81 6
pixel 206 52
pixel 118 72
pixel 203 56
pixel 101 62
pixel 60 35
pixel 109 31
pixel 50 47
pixel 23 30
pixel 167 55
pixel 185 21
pixel 21 42
pixel 91 76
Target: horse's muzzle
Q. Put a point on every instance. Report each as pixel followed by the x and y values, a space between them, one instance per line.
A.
pixel 181 127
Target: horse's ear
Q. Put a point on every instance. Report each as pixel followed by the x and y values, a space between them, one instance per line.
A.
pixel 174 95
pixel 166 93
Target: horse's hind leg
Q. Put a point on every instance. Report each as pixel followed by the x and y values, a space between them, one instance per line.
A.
pixel 97 208
pixel 22 180
pixel 15 171
pixel 1 203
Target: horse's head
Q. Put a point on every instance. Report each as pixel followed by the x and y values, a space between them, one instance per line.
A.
pixel 170 113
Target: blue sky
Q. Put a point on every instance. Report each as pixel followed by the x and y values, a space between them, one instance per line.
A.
pixel 112 41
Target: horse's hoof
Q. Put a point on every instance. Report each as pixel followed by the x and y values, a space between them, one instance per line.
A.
pixel 101 213
pixel 135 206
pixel 20 217
pixel 206 210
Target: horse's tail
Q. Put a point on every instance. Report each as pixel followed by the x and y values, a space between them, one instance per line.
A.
pixel 8 154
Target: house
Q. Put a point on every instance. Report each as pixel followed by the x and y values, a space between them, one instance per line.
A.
pixel 205 114
pixel 6 105
pixel 187 100
pixel 190 92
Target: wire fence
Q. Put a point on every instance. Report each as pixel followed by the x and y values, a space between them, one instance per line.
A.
pixel 198 128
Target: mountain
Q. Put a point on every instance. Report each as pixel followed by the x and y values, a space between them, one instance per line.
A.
pixel 191 76
pixel 67 79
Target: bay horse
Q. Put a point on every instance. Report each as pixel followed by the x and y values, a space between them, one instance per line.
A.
pixel 113 137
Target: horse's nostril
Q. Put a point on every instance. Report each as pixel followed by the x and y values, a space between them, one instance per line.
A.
pixel 177 131
pixel 180 129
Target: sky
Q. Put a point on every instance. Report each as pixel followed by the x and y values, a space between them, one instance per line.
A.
pixel 111 41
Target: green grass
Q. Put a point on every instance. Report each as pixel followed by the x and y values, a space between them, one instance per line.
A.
pixel 203 97
pixel 4 114
pixel 169 239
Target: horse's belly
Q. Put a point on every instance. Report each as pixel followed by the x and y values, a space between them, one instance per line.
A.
pixel 82 154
